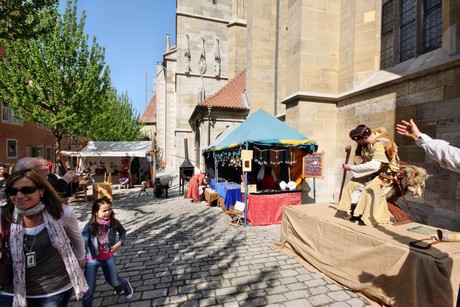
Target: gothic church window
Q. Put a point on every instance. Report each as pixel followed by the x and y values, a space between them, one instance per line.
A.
pixel 409 29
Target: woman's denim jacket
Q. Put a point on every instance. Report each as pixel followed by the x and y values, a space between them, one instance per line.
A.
pixel 91 244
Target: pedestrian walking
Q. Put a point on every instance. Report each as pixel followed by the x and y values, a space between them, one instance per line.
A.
pixel 45 242
pixel 100 236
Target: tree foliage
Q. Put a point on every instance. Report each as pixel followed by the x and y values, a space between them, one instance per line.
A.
pixel 56 78
pixel 118 121
pixel 21 18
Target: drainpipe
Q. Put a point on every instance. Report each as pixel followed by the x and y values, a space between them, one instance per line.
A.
pixel 166 110
pixel 275 94
pixel 209 126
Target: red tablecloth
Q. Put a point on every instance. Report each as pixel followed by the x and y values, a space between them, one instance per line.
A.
pixel 267 209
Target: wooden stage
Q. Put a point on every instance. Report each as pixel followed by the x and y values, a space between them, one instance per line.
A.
pixel 377 262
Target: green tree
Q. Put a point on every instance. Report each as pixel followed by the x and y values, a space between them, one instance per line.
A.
pixel 56 79
pixel 117 122
pixel 21 18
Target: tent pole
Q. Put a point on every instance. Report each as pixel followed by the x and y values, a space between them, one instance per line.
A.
pixel 246 192
pixel 216 175
pixel 314 190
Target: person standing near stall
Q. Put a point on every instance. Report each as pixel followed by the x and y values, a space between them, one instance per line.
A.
pixel 194 185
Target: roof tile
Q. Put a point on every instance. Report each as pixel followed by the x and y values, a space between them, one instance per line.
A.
pixel 150 113
pixel 230 96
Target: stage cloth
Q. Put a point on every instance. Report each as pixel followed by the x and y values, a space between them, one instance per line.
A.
pixel 377 262
pixel 267 209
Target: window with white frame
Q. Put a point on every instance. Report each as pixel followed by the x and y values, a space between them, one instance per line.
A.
pixel 38 151
pixel 409 28
pixel 11 148
pixel 48 153
pixel 9 116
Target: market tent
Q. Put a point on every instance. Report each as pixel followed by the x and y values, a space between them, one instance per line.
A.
pixel 112 149
pixel 222 136
pixel 261 128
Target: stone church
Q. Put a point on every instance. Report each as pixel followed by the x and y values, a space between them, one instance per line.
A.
pixel 323 67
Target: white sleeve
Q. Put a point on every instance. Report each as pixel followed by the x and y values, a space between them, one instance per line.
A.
pixel 440 151
pixel 365 169
pixel 72 230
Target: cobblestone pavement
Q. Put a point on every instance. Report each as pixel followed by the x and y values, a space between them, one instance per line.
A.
pixel 179 253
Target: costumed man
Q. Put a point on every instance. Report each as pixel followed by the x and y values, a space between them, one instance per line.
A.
pixel 194 185
pixel 375 162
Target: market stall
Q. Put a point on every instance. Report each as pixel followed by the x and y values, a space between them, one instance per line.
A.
pixel 117 159
pixel 259 155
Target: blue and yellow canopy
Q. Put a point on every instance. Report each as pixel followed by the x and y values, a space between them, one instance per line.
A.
pixel 261 128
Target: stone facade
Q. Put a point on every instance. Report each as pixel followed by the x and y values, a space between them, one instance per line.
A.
pixel 357 91
pixel 196 68
pixel 316 64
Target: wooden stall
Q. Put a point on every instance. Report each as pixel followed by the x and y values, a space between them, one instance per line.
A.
pixel 260 153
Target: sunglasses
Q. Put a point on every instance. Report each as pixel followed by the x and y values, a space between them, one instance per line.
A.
pixel 23 190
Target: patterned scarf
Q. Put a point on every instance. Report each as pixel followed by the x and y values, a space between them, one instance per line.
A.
pixel 59 240
pixel 103 233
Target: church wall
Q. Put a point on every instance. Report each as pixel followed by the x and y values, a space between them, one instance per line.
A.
pixel 431 98
pixel 199 76
pixel 260 60
pixel 237 38
pixel 328 80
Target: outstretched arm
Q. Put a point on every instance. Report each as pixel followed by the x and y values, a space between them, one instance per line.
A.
pixel 439 150
pixel 408 129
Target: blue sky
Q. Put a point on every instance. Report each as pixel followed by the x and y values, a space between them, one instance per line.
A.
pixel 133 33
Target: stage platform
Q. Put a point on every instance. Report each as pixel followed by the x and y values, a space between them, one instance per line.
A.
pixel 377 262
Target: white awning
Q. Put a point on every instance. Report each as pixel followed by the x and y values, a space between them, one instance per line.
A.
pixel 112 149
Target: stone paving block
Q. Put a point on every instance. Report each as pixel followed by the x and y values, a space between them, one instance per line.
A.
pixel 225 299
pixel 315 282
pixel 358 302
pixel 318 290
pixel 144 304
pixel 243 280
pixel 154 293
pixel 339 295
pixel 259 301
pixel 297 286
pixel 288 272
pixel 205 261
pixel 299 303
pixel 292 295
pixel 176 299
pixel 226 291
pixel 287 280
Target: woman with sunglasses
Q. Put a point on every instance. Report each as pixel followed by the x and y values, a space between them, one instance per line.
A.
pixel 45 241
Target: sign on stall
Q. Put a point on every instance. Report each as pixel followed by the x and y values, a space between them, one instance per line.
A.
pixel 313 165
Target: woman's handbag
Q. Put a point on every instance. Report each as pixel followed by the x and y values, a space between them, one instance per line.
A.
pixel 6 263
